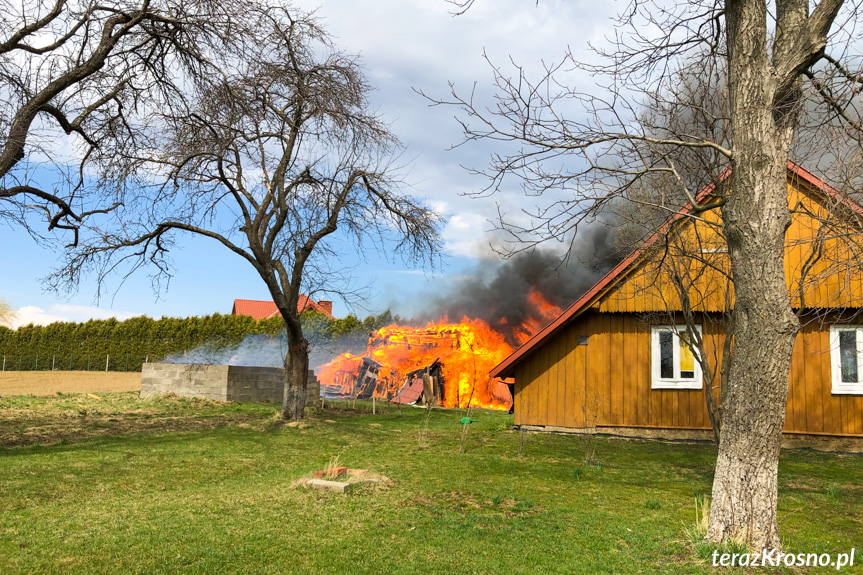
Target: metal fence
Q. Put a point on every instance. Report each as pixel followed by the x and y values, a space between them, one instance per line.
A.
pixel 80 362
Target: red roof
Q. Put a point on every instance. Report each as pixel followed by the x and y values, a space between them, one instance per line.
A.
pixel 504 368
pixel 410 392
pixel 261 309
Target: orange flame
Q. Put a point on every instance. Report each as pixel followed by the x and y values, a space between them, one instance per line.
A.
pixel 468 350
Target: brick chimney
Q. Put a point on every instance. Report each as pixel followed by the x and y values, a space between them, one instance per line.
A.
pixel 327 305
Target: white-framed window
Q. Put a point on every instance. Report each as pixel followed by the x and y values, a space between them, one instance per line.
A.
pixel 672 360
pixel 846 359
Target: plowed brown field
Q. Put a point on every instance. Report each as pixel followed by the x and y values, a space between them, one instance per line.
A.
pixel 50 382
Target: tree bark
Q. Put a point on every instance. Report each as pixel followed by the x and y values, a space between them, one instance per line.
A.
pixel 755 220
pixel 712 410
pixel 296 360
pixel 296 377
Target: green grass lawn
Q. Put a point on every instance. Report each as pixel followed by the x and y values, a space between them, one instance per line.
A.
pixel 122 485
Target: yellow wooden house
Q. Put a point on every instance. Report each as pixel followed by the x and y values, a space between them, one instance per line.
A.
pixel 617 360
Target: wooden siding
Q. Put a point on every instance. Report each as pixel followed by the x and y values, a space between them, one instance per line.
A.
pixel 607 382
pixel 823 263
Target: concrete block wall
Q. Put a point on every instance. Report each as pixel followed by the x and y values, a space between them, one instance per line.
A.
pixel 257 384
pixel 186 380
pixel 221 382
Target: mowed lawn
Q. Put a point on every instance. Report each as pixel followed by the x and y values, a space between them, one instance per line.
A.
pixel 122 485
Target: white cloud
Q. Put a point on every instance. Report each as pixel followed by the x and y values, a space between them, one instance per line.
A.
pixel 467 234
pixel 64 313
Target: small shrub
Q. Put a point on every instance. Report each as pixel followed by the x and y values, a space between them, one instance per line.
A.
pixel 702 518
pixel 330 472
pixel 423 436
pixel 496 499
pixel 652 504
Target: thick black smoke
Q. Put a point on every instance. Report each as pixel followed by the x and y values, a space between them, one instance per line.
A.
pixel 496 291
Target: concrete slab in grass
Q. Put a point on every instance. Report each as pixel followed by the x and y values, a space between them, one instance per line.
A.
pixel 334 486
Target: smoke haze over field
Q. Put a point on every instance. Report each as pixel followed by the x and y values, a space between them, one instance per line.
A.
pixel 257 350
pixel 497 291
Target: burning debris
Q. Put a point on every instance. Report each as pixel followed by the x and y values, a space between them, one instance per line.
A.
pixel 423 386
pixel 442 363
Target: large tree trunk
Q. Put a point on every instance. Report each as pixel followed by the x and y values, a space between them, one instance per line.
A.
pixel 296 365
pixel 755 218
pixel 296 377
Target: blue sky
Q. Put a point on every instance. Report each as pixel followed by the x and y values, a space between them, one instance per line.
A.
pixel 404 46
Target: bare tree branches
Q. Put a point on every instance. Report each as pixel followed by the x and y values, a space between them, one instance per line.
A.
pixel 275 155
pixel 86 71
pixel 6 313
pixel 786 79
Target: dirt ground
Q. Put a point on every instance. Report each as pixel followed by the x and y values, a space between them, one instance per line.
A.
pixel 50 382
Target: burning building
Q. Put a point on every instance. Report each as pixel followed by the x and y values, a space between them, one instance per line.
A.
pixel 444 363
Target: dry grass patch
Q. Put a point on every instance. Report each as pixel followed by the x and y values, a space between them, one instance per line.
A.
pixel 70 418
pixel 50 382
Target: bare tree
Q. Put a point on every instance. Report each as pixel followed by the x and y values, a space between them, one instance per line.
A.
pixel 6 313
pixel 687 261
pixel 775 59
pixel 73 77
pixel 278 159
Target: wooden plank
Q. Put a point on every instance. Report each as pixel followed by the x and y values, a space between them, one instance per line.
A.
pixel 857 408
pixel 562 349
pixel 571 377
pixel 541 396
pixel 520 379
pixel 603 358
pixel 794 251
pixel 666 418
pixel 579 392
pixel 565 376
pixel 616 375
pixel 530 389
pixel 630 372
pixel 551 398
pixel 655 413
pixel 835 287
pixel 699 413
pixel 527 365
pixel 846 416
pixel 856 281
pixel 831 405
pixel 797 389
pixel 534 406
pixel 562 375
pixel 812 378
pixel 642 373
pixel 789 406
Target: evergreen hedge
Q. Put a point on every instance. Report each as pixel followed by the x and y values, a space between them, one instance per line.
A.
pixel 81 346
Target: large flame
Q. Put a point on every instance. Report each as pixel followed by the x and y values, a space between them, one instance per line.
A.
pixel 468 350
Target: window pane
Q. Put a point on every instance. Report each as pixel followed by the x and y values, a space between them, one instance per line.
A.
pixel 848 355
pixel 687 359
pixel 666 355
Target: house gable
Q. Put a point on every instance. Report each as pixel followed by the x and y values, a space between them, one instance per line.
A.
pixel 816 263
pixel 263 309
